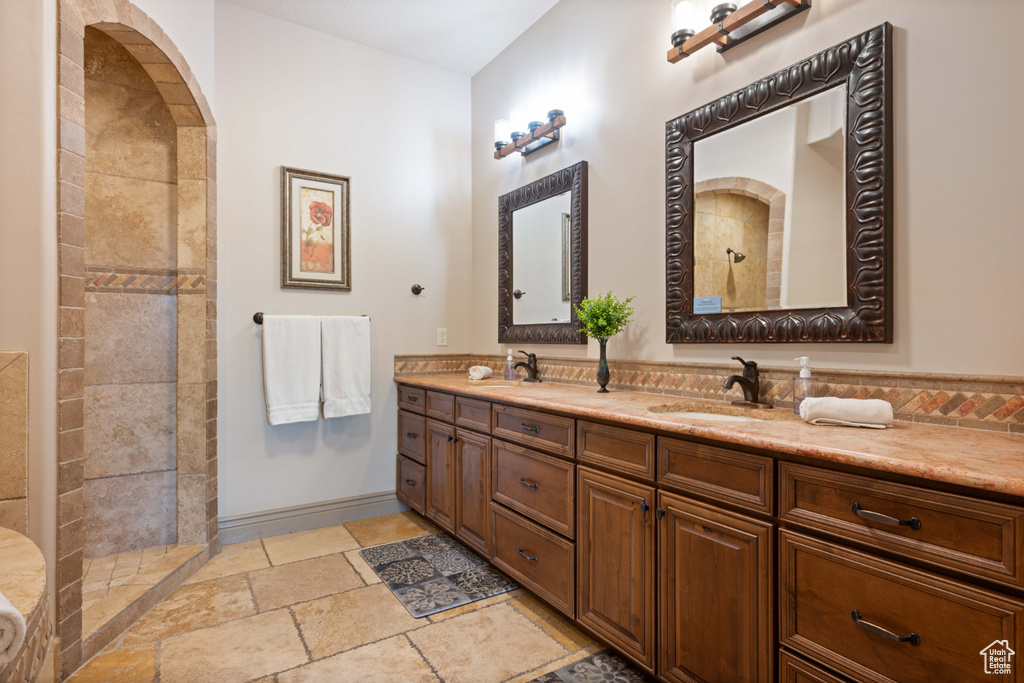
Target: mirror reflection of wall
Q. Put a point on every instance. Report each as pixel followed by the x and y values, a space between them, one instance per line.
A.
pixel 539 260
pixel 769 209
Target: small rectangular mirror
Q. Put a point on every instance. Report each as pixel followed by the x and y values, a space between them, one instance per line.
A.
pixel 542 259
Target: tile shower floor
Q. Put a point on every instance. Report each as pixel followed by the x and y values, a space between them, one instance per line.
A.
pixel 304 607
pixel 111 584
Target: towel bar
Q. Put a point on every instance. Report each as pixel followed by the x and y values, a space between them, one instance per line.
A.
pixel 258 317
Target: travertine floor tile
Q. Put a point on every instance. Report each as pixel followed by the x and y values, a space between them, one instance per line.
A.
pixel 302 545
pixel 469 607
pixel 552 624
pixel 133 665
pixel 233 559
pixel 390 661
pixel 369 576
pixel 194 606
pixel 496 650
pixel 390 528
pixel 342 622
pixel 234 652
pixel 301 581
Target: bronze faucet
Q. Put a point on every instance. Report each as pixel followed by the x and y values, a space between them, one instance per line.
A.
pixel 750 382
pixel 532 373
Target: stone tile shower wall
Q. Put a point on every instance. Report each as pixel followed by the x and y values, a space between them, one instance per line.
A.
pixel 171 284
pixel 14 441
pixel 131 234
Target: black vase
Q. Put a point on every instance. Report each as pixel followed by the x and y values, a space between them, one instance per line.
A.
pixel 603 374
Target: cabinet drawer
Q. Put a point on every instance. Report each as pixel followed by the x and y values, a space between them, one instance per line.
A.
pixel 542 561
pixel 411 398
pixel 537 485
pixel 719 473
pixel 977 537
pixel 411 479
pixel 845 609
pixel 792 669
pixel 623 450
pixel 473 414
pixel 441 406
pixel 533 429
pixel 412 430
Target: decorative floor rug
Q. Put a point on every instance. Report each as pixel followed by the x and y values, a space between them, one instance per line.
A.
pixel 433 573
pixel 601 667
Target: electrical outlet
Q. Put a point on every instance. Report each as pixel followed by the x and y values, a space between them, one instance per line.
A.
pixel 442 336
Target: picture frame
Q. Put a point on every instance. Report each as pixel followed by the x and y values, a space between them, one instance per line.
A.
pixel 315 244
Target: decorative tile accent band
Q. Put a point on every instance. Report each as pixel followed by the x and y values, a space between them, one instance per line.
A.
pixel 992 403
pixel 144 282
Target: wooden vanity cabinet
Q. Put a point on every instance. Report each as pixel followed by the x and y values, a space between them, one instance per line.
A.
pixel 472 490
pixel 440 503
pixel 615 561
pixel 715 586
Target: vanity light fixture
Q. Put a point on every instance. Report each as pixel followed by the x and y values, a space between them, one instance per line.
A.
pixel 520 134
pixel 729 26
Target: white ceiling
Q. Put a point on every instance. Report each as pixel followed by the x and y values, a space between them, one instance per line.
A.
pixel 457 35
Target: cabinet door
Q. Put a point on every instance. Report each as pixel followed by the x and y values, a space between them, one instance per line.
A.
pixel 715 578
pixel 440 473
pixel 615 560
pixel 473 490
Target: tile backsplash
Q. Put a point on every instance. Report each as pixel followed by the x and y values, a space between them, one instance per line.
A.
pixel 992 403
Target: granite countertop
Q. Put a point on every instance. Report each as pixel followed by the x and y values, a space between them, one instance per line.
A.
pixel 992 461
pixel 22 571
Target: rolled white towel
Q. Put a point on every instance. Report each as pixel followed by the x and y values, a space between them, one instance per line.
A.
pixel 847 412
pixel 12 631
pixel 480 372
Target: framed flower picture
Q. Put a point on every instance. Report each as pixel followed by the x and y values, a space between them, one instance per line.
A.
pixel 314 230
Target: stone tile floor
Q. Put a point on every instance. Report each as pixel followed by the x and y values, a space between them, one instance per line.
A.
pixel 304 607
pixel 113 583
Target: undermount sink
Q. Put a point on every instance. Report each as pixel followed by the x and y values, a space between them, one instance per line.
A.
pixel 701 410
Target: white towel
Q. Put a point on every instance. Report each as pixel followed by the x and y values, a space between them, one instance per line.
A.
pixel 480 372
pixel 12 631
pixel 346 354
pixel 291 368
pixel 847 412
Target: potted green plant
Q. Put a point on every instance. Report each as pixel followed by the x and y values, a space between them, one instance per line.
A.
pixel 602 318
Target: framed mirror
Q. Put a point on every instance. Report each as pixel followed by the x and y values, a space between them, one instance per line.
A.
pixel 779 205
pixel 542 259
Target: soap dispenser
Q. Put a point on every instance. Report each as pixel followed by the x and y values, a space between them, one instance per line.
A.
pixel 510 367
pixel 804 386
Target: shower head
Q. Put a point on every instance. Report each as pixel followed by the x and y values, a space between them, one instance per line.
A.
pixel 737 256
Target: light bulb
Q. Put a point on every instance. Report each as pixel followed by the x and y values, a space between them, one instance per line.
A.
pixel 684 15
pixel 520 121
pixel 502 131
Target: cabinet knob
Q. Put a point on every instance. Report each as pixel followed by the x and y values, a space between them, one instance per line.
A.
pixel 644 507
pixel 659 513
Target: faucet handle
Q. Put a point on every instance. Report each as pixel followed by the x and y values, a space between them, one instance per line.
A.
pixel 528 355
pixel 746 363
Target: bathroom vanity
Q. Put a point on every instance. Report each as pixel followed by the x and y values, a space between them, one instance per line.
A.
pixel 708 543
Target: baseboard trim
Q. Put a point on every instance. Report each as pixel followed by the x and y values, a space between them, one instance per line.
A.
pixel 254 525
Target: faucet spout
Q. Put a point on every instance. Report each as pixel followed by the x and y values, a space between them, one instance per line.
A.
pixel 749 388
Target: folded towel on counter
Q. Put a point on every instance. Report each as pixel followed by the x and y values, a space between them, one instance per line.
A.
pixel 480 372
pixel 847 412
pixel 346 354
pixel 12 631
pixel 291 368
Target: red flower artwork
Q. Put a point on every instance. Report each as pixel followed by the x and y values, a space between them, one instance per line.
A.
pixel 320 213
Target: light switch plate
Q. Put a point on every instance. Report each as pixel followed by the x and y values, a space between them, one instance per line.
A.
pixel 442 336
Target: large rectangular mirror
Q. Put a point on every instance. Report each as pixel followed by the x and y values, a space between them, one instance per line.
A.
pixel 779 205
pixel 542 246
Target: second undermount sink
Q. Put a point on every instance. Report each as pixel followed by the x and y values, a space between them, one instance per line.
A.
pixel 706 410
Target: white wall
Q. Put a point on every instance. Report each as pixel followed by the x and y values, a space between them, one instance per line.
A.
pixel 958 236
pixel 189 23
pixel 28 239
pixel 400 130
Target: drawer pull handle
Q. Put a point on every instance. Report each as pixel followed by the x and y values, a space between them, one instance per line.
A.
pixel 531 559
pixel 411 399
pixel 913 638
pixel 529 428
pixel 914 523
pixel 411 435
pixel 410 482
pixel 526 484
